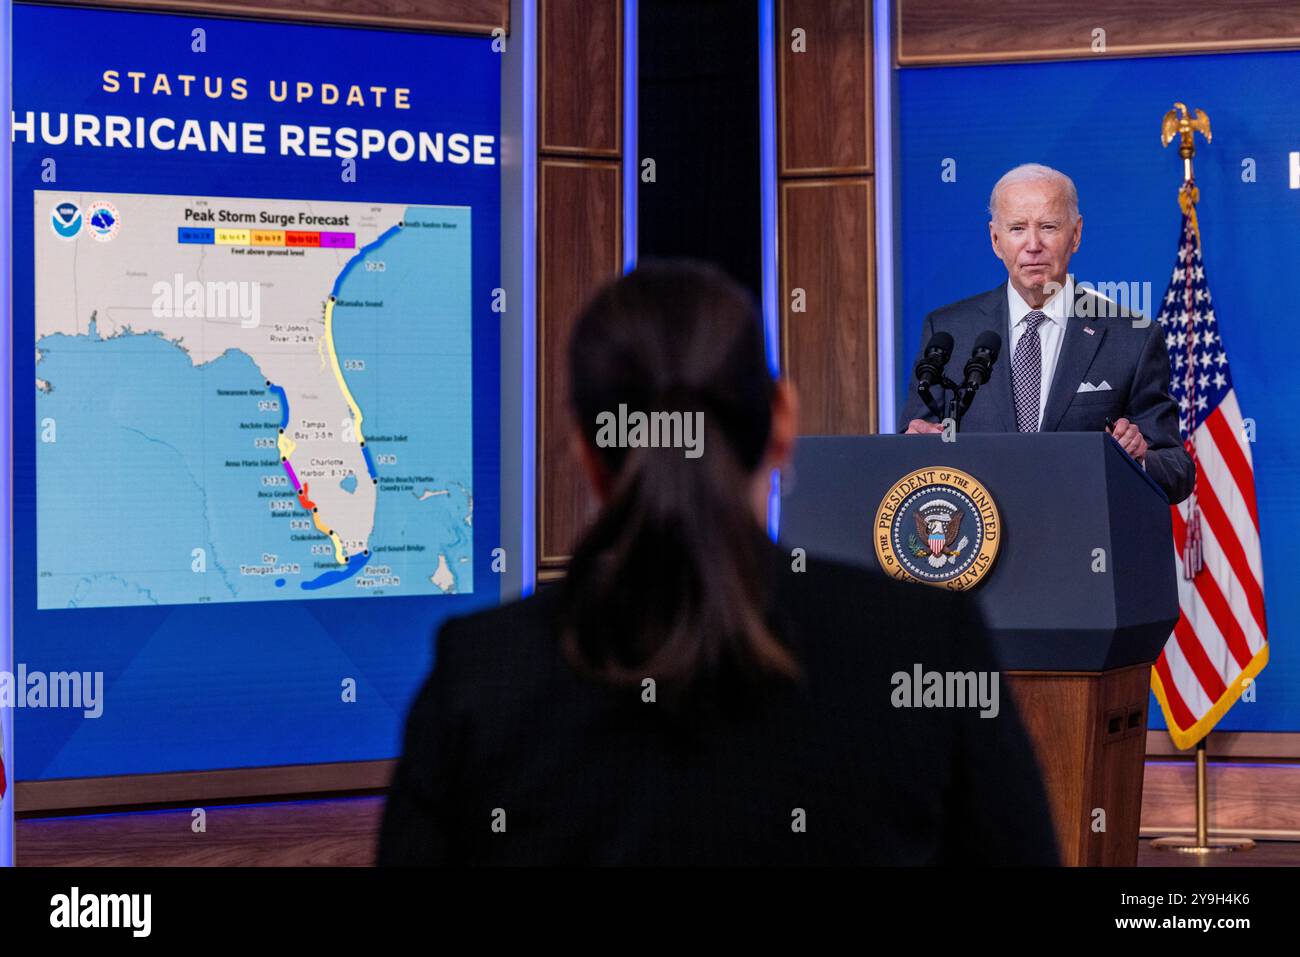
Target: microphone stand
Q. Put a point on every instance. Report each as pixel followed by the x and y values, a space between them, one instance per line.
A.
pixel 953 402
pixel 966 396
pixel 956 400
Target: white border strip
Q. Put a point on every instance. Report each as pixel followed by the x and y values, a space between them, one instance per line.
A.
pixel 631 161
pixel 770 239
pixel 6 422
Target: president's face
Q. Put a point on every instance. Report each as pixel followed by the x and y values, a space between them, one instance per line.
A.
pixel 1033 236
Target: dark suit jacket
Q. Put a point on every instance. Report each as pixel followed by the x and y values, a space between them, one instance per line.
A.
pixel 591 774
pixel 1129 355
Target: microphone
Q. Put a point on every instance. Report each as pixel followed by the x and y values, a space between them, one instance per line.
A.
pixel 979 366
pixel 929 368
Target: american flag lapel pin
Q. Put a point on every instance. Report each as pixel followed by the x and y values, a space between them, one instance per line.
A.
pixel 1090 330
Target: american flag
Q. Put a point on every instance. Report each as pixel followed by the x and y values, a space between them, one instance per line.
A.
pixel 1221 640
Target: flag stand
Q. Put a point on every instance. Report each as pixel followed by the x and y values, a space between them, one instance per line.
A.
pixel 1201 843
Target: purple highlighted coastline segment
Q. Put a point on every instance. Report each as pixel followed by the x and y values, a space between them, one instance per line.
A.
pixel 283 400
pixel 338 240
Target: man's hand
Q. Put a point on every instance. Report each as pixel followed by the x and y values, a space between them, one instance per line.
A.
pixel 1129 436
pixel 922 427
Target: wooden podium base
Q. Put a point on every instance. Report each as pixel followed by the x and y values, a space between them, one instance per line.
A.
pixel 1089 730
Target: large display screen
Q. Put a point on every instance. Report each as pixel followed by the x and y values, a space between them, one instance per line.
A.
pixel 257 453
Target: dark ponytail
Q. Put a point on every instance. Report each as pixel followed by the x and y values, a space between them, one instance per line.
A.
pixel 671 581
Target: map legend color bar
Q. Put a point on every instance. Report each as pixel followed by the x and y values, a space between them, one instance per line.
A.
pixel 264 237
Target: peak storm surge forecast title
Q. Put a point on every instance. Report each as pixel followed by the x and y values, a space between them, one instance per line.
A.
pixel 256 263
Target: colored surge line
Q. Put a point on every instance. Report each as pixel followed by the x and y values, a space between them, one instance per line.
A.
pixel 284 404
pixel 329 342
pixel 286 447
pixel 333 577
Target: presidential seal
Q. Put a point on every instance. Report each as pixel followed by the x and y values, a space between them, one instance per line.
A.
pixel 939 526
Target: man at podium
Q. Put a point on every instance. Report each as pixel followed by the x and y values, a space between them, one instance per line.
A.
pixel 1074 361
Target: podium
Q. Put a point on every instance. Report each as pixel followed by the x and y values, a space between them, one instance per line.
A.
pixel 1080 597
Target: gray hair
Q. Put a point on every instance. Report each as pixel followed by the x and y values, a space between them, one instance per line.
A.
pixel 1036 172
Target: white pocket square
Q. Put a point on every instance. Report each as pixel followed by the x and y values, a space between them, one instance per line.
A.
pixel 1102 386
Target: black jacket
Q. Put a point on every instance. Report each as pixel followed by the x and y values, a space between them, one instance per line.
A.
pixel 511 758
pixel 1125 353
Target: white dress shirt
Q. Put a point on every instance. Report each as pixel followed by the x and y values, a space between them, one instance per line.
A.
pixel 1050 334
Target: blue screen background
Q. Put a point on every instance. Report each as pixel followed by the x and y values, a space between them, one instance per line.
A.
pixel 1099 122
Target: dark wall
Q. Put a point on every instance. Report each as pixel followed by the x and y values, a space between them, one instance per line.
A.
pixel 698 120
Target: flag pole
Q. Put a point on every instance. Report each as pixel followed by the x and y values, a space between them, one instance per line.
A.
pixel 1201 843
pixel 1185 125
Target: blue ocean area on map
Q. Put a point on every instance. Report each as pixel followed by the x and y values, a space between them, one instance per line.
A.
pixel 418 336
pixel 143 478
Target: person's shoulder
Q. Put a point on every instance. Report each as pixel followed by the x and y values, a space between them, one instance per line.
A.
pixel 520 632
pixel 489 663
pixel 963 310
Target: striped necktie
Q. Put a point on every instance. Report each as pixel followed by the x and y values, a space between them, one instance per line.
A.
pixel 1027 373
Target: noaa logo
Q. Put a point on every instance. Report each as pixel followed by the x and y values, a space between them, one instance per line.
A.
pixel 939 526
pixel 65 220
pixel 102 221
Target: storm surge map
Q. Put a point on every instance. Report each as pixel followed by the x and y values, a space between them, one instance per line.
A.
pixel 250 399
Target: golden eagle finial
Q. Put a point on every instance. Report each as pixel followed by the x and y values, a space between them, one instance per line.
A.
pixel 1179 122
pixel 1185 126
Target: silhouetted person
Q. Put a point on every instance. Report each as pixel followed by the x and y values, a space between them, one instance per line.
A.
pixel 691 693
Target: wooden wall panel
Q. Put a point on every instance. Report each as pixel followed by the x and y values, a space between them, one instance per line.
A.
pixel 579 248
pixel 829 350
pixel 228 784
pixel 976 31
pixel 1233 745
pixel 581 77
pixel 1245 799
pixel 443 16
pixel 579 236
pixel 337 832
pixel 1250 800
pixel 827 212
pixel 826 91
